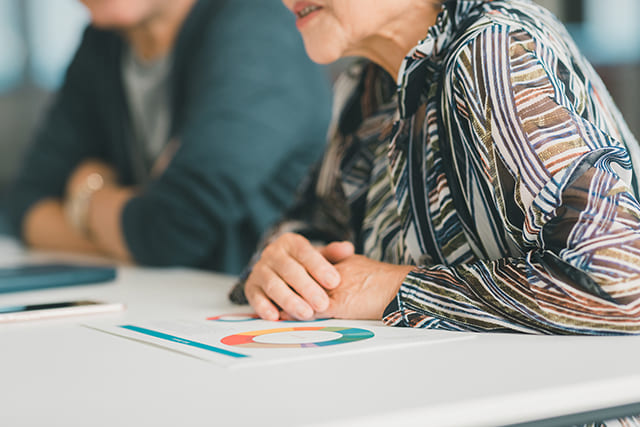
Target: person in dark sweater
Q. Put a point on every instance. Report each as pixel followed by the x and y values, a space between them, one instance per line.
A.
pixel 180 134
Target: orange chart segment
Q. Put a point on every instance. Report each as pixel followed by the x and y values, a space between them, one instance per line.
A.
pixel 346 335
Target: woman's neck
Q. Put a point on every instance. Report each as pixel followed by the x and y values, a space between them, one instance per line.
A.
pixel 154 37
pixel 391 45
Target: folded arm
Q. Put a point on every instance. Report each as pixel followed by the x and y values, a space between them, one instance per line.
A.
pixel 561 179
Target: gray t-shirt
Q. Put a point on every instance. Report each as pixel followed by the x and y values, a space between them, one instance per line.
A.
pixel 146 87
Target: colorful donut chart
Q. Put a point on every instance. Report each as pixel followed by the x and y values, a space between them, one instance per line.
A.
pixel 246 339
pixel 239 317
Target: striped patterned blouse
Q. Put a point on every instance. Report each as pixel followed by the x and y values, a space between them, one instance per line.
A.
pixel 499 166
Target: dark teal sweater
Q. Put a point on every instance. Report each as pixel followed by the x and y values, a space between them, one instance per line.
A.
pixel 248 107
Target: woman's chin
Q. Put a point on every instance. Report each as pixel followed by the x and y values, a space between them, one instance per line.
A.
pixel 322 56
pixel 114 22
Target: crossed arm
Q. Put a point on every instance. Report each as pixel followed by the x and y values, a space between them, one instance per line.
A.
pixel 47 225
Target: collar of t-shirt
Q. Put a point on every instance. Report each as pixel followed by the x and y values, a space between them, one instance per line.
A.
pixel 146 87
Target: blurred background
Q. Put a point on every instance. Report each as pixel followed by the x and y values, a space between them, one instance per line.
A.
pixel 39 37
pixel 37 41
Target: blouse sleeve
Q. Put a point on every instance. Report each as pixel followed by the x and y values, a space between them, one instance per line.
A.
pixel 560 176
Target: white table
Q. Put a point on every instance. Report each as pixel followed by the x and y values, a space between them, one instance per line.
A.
pixel 62 374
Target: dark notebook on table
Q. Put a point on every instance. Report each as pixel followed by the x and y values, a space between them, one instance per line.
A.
pixel 39 276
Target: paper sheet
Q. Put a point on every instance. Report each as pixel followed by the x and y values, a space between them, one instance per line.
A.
pixel 237 340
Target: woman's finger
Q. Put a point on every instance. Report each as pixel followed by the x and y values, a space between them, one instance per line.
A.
pixel 312 260
pixel 296 276
pixel 279 292
pixel 259 301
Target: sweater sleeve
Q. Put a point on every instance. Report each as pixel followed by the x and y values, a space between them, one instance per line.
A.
pixel 255 119
pixel 68 133
pixel 560 176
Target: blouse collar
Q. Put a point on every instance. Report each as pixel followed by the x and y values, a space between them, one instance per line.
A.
pixel 426 58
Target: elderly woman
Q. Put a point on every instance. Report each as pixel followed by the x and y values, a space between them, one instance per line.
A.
pixel 491 187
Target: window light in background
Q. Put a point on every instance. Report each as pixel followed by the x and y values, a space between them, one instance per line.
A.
pixel 39 38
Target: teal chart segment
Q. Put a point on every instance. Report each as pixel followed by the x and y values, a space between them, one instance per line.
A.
pixel 183 341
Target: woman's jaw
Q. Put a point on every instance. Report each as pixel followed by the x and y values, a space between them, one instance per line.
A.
pixel 383 31
pixel 317 24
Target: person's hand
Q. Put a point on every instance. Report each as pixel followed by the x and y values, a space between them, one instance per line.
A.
pixel 78 179
pixel 366 289
pixel 293 276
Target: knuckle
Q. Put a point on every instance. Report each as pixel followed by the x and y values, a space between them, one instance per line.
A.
pixel 284 239
pixel 306 286
pixel 270 285
pixel 300 250
pixel 294 240
pixel 273 253
pixel 310 258
pixel 290 303
pixel 267 252
pixel 288 236
pixel 257 273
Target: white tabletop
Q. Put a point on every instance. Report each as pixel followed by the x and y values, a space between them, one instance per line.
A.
pixel 57 372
